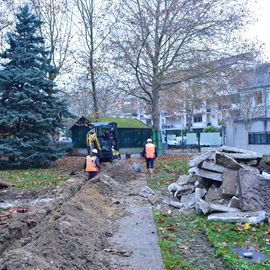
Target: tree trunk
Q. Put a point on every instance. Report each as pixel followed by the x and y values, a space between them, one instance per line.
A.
pixel 94 94
pixel 92 71
pixel 155 107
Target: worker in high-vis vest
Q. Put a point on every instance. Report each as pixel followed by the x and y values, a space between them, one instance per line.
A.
pixel 91 164
pixel 150 153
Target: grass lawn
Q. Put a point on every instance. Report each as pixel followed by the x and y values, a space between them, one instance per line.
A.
pixel 167 172
pixel 222 236
pixel 225 236
pixel 33 178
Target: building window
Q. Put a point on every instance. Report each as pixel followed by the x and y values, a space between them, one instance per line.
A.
pixel 258 98
pixel 259 138
pixel 197 118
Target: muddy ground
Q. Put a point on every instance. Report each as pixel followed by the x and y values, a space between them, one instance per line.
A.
pixel 96 224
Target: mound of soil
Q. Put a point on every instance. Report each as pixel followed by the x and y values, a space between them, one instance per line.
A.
pixel 70 235
pixel 120 170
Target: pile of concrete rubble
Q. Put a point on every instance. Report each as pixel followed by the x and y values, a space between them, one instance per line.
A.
pixel 225 184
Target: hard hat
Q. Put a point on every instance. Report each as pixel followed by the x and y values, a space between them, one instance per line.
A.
pixel 149 140
pixel 92 131
pixel 94 151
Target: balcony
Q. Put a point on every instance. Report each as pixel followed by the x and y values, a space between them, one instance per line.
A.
pixel 199 125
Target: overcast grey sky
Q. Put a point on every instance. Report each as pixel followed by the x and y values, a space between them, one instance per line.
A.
pixel 261 29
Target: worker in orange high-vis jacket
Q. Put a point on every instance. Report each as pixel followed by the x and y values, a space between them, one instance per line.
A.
pixel 150 153
pixel 91 164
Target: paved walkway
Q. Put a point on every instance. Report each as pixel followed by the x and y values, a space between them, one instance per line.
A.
pixel 136 241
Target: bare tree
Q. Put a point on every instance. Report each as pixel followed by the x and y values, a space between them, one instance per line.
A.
pixel 7 18
pixel 157 39
pixel 57 31
pixel 81 101
pixel 94 24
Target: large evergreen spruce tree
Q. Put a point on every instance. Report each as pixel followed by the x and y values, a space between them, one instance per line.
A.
pixel 30 111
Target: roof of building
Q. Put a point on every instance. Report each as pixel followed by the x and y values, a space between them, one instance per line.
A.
pixel 124 122
pixel 82 122
pixel 101 124
pixel 104 121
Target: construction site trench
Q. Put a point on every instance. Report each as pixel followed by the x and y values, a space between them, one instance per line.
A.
pixel 100 223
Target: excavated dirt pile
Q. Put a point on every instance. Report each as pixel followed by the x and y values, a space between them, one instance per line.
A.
pixel 69 231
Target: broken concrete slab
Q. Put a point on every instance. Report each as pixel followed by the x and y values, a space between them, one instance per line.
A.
pixel 211 166
pixel 229 183
pixel 249 156
pixel 154 199
pixel 208 174
pixel 254 191
pixel 186 179
pixel 184 190
pixel 209 155
pixel 213 194
pixel 175 204
pixel 241 217
pixel 254 169
pixel 265 175
pixel 188 201
pixel 172 188
pixel 214 207
pixel 229 149
pixel 202 206
pixel 146 192
pixel 252 162
pixel 234 202
pixel 200 193
pixel 227 161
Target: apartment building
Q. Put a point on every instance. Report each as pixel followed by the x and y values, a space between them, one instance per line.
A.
pixel 249 126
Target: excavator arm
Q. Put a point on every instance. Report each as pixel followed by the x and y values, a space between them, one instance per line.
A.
pixel 92 140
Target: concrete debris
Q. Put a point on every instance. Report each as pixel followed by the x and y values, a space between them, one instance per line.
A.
pixel 226 161
pixel 184 190
pixel 213 194
pixel 202 207
pixel 154 199
pixel 229 149
pixel 214 207
pixel 240 217
pixel 254 191
pixel 137 167
pixel 266 175
pixel 188 201
pixel 211 166
pixel 4 184
pixel 224 183
pixel 207 174
pixel 234 202
pixel 186 179
pixel 146 192
pixel 209 155
pixel 172 188
pixel 229 183
pixel 200 193
pixel 175 204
